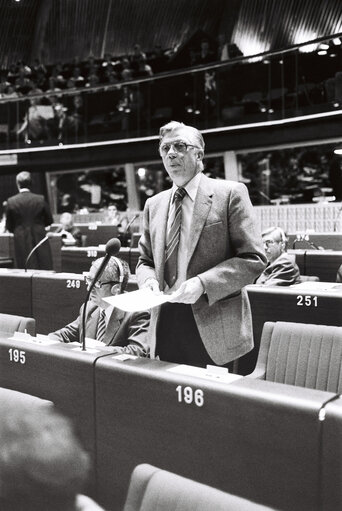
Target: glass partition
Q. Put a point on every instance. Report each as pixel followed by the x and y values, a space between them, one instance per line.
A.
pixel 299 81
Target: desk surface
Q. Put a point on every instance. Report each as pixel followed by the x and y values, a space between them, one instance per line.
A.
pixel 230 436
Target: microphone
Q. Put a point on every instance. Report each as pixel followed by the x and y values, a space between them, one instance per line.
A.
pixel 265 196
pixel 123 237
pixel 112 248
pixel 46 237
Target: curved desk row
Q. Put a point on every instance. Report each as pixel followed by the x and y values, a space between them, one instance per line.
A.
pixel 275 444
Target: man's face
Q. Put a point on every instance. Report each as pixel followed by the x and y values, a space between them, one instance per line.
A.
pixel 273 246
pixel 181 165
pixel 108 288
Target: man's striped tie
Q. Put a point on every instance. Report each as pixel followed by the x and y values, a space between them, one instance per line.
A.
pixel 172 240
pixel 101 326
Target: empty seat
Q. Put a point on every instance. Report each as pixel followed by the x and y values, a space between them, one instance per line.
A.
pixel 153 489
pixel 301 354
pixel 9 323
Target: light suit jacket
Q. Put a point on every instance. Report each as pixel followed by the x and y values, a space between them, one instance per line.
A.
pixel 126 332
pixel 225 250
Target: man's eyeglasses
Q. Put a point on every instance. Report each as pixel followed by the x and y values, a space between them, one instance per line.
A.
pixel 270 243
pixel 179 147
pixel 98 284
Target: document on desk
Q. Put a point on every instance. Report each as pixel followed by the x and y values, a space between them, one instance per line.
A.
pixel 139 300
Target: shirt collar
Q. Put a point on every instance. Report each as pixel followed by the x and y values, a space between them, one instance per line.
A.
pixel 191 187
pixel 24 190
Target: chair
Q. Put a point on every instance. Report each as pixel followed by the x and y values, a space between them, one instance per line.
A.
pixel 9 323
pixel 301 354
pixel 153 489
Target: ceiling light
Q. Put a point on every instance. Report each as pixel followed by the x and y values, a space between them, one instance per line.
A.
pixel 336 41
pixel 322 52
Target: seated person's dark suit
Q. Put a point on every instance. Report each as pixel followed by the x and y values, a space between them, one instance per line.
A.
pixel 126 332
pixel 282 272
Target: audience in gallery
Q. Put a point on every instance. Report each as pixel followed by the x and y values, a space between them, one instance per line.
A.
pixel 281 269
pixel 42 463
pixel 123 332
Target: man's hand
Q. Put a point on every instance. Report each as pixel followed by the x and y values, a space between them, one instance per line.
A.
pixel 189 291
pixel 153 284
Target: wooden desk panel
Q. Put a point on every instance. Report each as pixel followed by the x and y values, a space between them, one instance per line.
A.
pixel 56 300
pixel 16 292
pixel 79 259
pixel 60 374
pixel 97 234
pixel 288 304
pixel 7 245
pixel 323 263
pixel 327 240
pixel 255 439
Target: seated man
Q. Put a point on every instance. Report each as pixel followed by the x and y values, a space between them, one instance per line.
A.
pixel 125 332
pixel 42 464
pixel 281 269
pixel 71 235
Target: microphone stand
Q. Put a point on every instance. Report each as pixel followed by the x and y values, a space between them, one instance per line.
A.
pixel 123 236
pixel 34 249
pixel 112 248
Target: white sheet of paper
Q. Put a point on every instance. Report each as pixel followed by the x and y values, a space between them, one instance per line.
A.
pixel 139 300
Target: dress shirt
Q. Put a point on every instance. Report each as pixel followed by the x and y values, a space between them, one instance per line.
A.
pixel 187 211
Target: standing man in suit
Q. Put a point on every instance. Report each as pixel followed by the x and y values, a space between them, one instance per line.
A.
pixel 125 332
pixel 201 243
pixel 27 216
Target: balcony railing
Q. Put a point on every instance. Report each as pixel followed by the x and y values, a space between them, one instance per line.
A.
pixel 299 81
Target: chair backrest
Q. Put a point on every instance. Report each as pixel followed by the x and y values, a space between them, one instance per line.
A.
pixel 301 354
pixel 9 323
pixel 153 489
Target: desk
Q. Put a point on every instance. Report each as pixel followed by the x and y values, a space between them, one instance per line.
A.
pixel 259 440
pixel 16 292
pixel 79 259
pixel 323 263
pixel 60 374
pixel 7 245
pixel 97 234
pixel 288 304
pixel 56 299
pixel 327 240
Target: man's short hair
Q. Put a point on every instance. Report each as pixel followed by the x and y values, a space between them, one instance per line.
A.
pixel 112 271
pixel 173 125
pixel 42 464
pixel 24 179
pixel 278 232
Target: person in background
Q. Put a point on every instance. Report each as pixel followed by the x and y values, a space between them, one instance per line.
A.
pixel 281 269
pixel 201 244
pixel 3 218
pixel 42 464
pixel 28 215
pixel 71 235
pixel 125 332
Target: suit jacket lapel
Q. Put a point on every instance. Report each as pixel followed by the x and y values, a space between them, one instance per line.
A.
pixel 113 326
pixel 159 218
pixel 202 207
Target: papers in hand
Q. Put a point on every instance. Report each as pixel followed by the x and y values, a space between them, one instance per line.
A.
pixel 137 300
